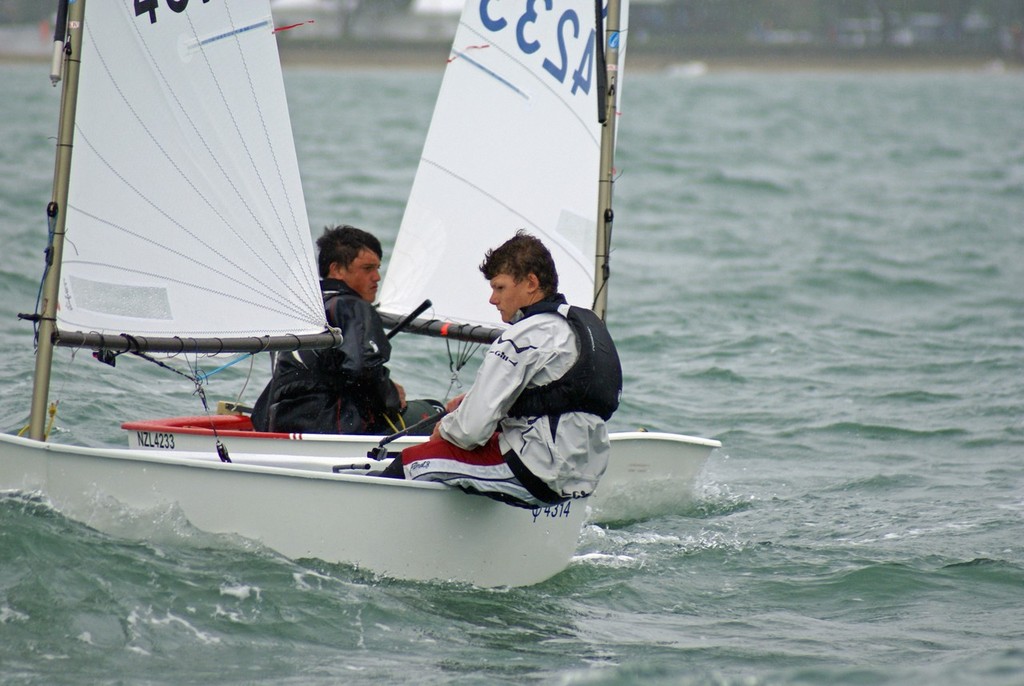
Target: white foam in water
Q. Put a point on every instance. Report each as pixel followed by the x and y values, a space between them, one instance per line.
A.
pixel 7 614
pixel 147 617
pixel 606 560
pixel 230 615
pixel 240 591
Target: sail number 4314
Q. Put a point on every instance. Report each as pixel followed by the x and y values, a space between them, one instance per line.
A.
pixel 552 511
pixel 522 18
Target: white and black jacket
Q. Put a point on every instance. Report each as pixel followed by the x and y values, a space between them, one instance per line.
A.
pixel 561 449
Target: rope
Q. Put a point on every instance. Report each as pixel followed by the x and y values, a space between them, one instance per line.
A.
pixel 52 409
pixel 205 376
pixel 198 378
pixel 248 377
pixel 457 361
pixel 51 231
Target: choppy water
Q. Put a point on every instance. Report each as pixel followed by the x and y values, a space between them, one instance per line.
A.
pixel 823 270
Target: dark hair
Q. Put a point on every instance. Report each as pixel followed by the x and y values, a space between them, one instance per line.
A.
pixel 519 257
pixel 342 244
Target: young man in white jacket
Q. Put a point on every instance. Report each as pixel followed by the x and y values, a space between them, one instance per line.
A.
pixel 531 430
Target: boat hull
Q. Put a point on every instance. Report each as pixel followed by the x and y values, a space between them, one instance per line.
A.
pixel 407 530
pixel 648 471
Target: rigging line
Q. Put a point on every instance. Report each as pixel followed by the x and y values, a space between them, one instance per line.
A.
pixel 168 367
pixel 198 132
pixel 263 124
pixel 181 282
pixel 605 260
pixel 205 376
pixel 55 404
pixel 456 362
pixel 248 376
pixel 466 352
pixel 597 295
pixel 222 451
pixel 67 372
pixel 51 231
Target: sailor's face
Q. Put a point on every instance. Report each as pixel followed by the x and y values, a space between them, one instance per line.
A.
pixel 362 275
pixel 509 295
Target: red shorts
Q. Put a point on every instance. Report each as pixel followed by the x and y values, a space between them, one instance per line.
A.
pixel 482 470
pixel 489 454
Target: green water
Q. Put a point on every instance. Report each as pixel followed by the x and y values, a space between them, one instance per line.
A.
pixel 823 270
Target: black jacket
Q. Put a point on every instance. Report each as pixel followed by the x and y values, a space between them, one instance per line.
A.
pixel 338 390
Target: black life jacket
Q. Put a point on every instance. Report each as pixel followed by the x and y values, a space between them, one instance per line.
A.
pixel 309 391
pixel 310 370
pixel 594 382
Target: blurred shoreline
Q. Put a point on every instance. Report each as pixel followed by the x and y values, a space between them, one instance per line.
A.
pixel 639 58
pixel 433 57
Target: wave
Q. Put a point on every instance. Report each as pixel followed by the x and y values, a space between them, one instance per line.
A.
pixel 879 432
pixel 748 183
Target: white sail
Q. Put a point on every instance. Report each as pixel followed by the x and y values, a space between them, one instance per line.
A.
pixel 185 212
pixel 514 143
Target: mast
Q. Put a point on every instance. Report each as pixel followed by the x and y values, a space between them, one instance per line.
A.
pixel 57 211
pixel 608 60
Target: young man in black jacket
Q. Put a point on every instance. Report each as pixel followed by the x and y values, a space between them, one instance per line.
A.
pixel 347 389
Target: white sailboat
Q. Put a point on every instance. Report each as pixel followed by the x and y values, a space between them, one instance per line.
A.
pixel 516 141
pixel 187 234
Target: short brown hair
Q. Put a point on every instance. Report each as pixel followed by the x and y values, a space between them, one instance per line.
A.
pixel 519 257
